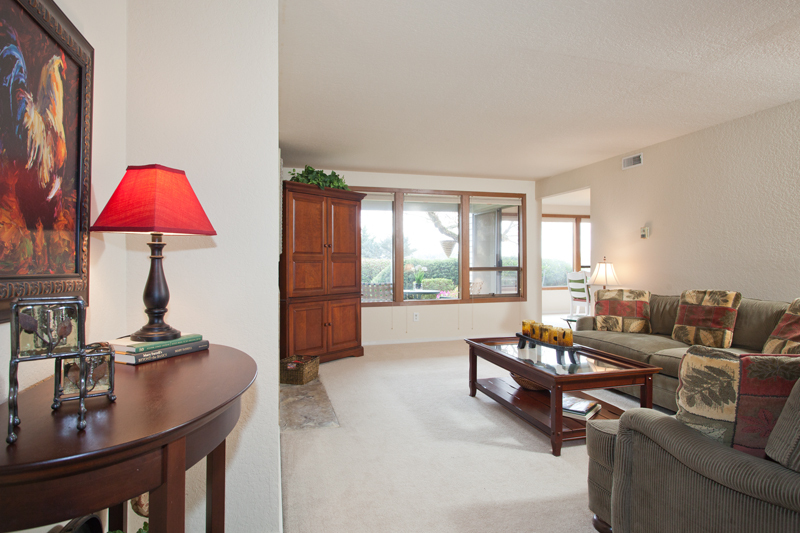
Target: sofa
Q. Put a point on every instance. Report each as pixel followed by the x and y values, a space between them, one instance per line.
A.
pixel 755 320
pixel 649 472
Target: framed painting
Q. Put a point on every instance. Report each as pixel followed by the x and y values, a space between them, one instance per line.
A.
pixel 46 78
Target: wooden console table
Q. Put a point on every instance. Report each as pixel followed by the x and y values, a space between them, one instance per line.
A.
pixel 169 414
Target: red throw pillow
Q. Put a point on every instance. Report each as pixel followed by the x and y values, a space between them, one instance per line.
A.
pixel 622 310
pixel 785 338
pixel 734 399
pixel 707 318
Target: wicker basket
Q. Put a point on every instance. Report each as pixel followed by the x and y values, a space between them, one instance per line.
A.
pixel 299 370
pixel 526 383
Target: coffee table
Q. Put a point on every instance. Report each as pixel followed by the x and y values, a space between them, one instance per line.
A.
pixel 592 369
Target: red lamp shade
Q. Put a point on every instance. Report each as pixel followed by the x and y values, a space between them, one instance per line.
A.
pixel 154 199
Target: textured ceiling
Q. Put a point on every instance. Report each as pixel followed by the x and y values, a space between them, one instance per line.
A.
pixel 521 89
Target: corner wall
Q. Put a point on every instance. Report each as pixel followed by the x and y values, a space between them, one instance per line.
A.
pixel 203 97
pixel 103 24
pixel 387 325
pixel 721 204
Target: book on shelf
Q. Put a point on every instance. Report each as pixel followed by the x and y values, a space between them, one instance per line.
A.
pixel 578 406
pixel 126 344
pixel 589 414
pixel 128 358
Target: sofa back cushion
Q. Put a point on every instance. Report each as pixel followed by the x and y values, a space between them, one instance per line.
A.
pixel 707 318
pixel 755 321
pixel 663 312
pixel 734 399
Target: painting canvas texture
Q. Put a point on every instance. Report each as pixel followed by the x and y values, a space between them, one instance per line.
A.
pixel 40 97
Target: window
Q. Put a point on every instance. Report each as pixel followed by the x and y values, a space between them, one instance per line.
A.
pixel 430 237
pixel 377 247
pixel 441 246
pixel 494 245
pixel 566 247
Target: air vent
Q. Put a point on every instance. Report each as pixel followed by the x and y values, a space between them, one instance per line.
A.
pixel 631 161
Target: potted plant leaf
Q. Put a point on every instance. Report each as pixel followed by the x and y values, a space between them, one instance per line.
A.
pixel 319 178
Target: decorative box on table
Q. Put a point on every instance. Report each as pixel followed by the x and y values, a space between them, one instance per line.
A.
pixel 299 370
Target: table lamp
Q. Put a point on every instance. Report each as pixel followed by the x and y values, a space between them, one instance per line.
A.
pixel 604 274
pixel 157 200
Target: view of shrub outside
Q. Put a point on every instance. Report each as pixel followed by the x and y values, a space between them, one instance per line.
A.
pixel 377 247
pixel 558 252
pixel 431 246
pixel 430 255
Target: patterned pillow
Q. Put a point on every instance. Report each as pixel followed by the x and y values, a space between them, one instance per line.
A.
pixel 785 338
pixel 707 318
pixel 734 399
pixel 622 310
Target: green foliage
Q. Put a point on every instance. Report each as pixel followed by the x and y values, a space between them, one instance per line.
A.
pixel 375 270
pixel 440 284
pixel 554 272
pixel 373 248
pixel 319 178
pixel 437 268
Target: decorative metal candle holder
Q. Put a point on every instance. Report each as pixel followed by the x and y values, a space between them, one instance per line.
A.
pixel 53 328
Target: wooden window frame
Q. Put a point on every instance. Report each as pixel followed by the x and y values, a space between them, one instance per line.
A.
pixel 576 244
pixel 463 248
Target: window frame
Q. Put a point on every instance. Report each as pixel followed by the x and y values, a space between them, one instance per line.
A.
pixel 463 248
pixel 576 244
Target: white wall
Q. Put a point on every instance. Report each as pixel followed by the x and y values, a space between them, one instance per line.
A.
pixel 555 302
pixel 203 97
pixel 553 209
pixel 721 204
pixel 383 325
pixel 104 26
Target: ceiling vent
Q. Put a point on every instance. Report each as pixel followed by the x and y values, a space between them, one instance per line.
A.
pixel 631 161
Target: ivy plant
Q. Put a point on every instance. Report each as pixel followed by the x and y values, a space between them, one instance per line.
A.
pixel 319 178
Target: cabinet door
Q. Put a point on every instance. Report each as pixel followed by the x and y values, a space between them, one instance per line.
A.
pixel 306 219
pixel 344 318
pixel 307 331
pixel 344 246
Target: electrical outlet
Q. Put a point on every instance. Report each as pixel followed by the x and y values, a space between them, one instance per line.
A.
pixel 416 317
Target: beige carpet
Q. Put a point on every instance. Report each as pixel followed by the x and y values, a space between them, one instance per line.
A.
pixel 415 453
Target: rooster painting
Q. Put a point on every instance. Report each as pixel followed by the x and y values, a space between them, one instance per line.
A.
pixel 37 200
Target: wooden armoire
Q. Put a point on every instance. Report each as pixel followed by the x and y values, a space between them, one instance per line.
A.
pixel 320 272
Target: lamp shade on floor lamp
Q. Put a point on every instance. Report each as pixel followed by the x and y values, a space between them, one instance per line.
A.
pixel 158 200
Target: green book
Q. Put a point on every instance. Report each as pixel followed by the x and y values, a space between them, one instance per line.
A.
pixel 125 344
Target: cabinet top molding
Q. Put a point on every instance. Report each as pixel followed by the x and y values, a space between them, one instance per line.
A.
pixel 327 191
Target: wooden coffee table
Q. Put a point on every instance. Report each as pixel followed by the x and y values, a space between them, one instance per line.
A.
pixel 592 369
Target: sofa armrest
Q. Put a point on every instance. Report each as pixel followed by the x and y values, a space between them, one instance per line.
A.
pixel 758 478
pixel 585 323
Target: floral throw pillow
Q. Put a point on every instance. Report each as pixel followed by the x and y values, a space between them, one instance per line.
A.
pixel 622 310
pixel 707 318
pixel 785 338
pixel 734 399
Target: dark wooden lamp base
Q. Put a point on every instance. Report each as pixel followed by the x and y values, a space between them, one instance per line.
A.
pixel 156 298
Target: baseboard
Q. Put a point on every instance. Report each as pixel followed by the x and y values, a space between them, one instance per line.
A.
pixel 414 341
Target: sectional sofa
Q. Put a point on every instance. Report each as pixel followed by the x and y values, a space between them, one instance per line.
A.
pixel 755 320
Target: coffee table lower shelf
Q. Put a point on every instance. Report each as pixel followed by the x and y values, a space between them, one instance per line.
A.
pixel 534 406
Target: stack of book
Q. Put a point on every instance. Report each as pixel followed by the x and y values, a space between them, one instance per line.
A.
pixel 130 352
pixel 578 408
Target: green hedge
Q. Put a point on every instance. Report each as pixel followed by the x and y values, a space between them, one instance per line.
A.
pixel 554 272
